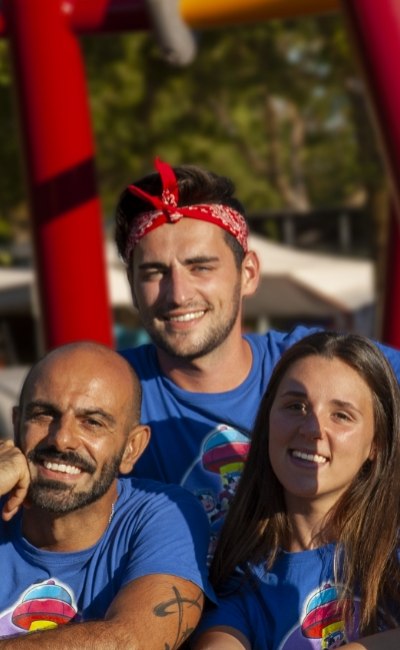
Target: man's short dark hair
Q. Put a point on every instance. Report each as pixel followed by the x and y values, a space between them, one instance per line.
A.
pixel 196 186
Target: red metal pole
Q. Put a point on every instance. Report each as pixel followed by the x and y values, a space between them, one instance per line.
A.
pixel 391 330
pixel 59 154
pixel 376 33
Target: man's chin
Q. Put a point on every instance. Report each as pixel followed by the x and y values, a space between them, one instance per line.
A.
pixel 54 496
pixel 184 347
pixel 45 486
pixel 194 343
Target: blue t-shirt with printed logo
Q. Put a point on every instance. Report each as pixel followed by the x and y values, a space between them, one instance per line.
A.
pixel 297 605
pixel 155 529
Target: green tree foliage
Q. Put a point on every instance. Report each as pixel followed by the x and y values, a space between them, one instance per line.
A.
pixel 277 106
pixel 11 186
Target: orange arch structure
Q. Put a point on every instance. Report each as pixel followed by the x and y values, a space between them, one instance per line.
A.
pixel 58 142
pixel 209 13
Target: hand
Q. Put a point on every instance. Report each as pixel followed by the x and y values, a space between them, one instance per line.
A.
pixel 14 478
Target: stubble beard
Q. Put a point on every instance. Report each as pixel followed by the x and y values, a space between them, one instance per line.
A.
pixel 181 346
pixel 58 497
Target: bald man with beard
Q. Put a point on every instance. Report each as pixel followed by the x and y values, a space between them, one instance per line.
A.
pixel 91 558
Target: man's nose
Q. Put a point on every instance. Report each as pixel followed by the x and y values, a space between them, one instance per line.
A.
pixel 63 433
pixel 180 286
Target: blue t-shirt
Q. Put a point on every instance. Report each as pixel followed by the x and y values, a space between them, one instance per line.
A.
pixel 292 607
pixel 155 529
pixel 201 440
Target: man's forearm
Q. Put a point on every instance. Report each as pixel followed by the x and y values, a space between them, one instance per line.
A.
pixel 72 636
pixel 156 611
pixel 96 635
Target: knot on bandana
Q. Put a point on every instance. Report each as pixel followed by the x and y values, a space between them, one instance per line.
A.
pixel 166 210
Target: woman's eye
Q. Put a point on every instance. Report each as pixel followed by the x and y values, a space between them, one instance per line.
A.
pixel 297 406
pixel 342 416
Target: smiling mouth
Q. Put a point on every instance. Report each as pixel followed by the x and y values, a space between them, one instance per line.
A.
pixel 185 318
pixel 67 463
pixel 311 458
pixel 62 468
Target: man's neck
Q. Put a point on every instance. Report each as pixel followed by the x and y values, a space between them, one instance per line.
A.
pixel 75 531
pixel 219 371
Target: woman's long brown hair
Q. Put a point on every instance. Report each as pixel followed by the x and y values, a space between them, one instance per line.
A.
pixel 364 523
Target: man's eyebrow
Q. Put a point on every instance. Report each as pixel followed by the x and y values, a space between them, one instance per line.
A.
pixel 96 411
pixel 41 404
pixel 81 412
pixel 202 259
pixel 198 259
pixel 152 265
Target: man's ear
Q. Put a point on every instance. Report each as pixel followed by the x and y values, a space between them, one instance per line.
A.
pixel 138 439
pixel 250 273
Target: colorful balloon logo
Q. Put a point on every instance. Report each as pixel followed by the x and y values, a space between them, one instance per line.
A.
pixel 44 606
pixel 324 618
pixel 225 450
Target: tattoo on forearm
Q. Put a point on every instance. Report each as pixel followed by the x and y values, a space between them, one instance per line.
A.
pixel 177 605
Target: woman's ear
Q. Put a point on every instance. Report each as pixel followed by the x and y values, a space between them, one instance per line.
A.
pixel 138 439
pixel 372 452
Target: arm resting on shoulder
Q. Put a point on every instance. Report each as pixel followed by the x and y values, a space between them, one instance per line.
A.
pixel 155 611
pixel 389 640
pixel 222 637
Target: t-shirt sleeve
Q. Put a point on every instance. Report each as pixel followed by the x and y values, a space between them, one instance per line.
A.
pixel 231 612
pixel 279 341
pixel 393 356
pixel 242 608
pixel 171 537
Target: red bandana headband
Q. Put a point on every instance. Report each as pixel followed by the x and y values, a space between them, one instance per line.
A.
pixel 166 210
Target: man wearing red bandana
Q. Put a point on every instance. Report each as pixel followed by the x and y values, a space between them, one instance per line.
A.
pixel 183 236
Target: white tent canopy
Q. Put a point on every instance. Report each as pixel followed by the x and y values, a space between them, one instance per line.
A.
pixel 297 283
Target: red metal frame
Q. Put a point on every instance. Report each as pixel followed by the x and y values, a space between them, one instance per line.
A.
pixel 377 39
pixel 59 155
pixel 390 329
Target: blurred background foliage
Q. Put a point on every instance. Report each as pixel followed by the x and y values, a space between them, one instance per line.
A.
pixel 279 107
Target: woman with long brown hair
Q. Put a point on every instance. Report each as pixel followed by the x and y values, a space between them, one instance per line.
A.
pixel 308 555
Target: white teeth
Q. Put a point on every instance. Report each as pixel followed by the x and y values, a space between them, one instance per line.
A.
pixel 187 317
pixel 65 469
pixel 313 458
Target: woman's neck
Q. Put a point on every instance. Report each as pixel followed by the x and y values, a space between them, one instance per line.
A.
pixel 308 529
